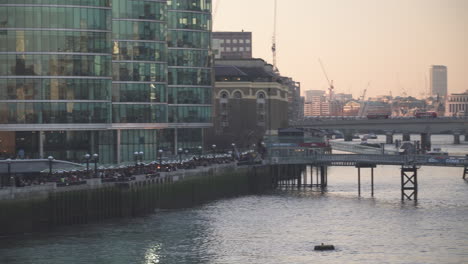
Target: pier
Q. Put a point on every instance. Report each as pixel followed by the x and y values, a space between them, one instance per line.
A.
pixel 298 170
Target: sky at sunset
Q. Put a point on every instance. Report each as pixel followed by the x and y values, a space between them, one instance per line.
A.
pixel 388 44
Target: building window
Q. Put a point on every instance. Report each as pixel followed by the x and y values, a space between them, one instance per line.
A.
pixel 228 41
pixel 234 41
pixel 247 48
pixel 224 95
pixel 241 41
pixel 237 95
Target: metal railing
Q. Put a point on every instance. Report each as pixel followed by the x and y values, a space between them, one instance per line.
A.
pixel 360 149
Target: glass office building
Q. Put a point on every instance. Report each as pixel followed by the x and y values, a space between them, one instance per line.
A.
pixel 103 76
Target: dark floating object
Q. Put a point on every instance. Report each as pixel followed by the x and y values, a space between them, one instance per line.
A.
pixel 324 247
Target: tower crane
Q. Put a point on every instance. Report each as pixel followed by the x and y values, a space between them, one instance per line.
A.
pixel 215 12
pixel 364 105
pixel 363 96
pixel 273 40
pixel 330 83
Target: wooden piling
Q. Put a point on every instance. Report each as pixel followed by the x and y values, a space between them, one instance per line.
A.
pixel 359 181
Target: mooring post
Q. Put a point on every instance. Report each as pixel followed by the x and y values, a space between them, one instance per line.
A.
pixel 359 181
pixel 465 172
pixel 372 182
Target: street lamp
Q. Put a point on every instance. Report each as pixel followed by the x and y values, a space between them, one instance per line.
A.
pixel 234 150
pixel 141 160
pixel 200 152
pixel 214 150
pixel 9 169
pixel 186 153
pixel 95 159
pixel 160 156
pixel 135 156
pixel 50 158
pixel 87 157
pixel 180 155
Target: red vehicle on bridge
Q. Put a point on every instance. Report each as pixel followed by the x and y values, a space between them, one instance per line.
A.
pixel 425 115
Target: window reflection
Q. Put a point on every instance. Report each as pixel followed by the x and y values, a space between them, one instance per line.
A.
pixel 53 113
pixel 54 89
pixel 189 114
pixel 140 113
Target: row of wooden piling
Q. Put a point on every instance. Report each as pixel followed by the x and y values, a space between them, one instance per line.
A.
pixel 128 199
pixel 299 176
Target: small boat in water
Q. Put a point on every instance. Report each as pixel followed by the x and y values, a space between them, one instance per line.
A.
pixel 323 247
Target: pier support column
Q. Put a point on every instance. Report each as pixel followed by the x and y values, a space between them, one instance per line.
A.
pixel 456 138
pixel 409 183
pixel 348 135
pixel 465 171
pixel 359 181
pixel 406 137
pixel 425 141
pixel 389 138
pixel 323 177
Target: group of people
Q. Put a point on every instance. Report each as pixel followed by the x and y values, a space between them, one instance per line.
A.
pixel 122 173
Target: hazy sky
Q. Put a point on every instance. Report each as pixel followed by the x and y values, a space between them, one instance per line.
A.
pixel 387 43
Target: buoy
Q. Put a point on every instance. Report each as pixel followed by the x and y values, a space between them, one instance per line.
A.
pixel 323 247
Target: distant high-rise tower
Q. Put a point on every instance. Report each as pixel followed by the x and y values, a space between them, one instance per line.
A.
pixel 438 80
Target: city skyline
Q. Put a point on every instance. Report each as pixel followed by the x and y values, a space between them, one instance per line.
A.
pixel 387 44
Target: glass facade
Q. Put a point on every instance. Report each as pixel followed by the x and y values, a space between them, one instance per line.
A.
pixel 139 68
pixel 190 61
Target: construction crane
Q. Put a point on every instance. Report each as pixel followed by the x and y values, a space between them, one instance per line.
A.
pixel 364 105
pixel 273 45
pixel 363 96
pixel 330 83
pixel 215 12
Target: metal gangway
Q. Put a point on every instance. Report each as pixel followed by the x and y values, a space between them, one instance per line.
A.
pixel 371 159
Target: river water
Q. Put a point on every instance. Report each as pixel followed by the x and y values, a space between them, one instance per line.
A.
pixel 279 227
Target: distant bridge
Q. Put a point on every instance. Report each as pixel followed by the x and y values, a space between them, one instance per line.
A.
pixel 396 125
pixel 425 126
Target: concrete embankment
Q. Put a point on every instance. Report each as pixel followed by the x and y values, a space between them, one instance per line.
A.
pixel 41 208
